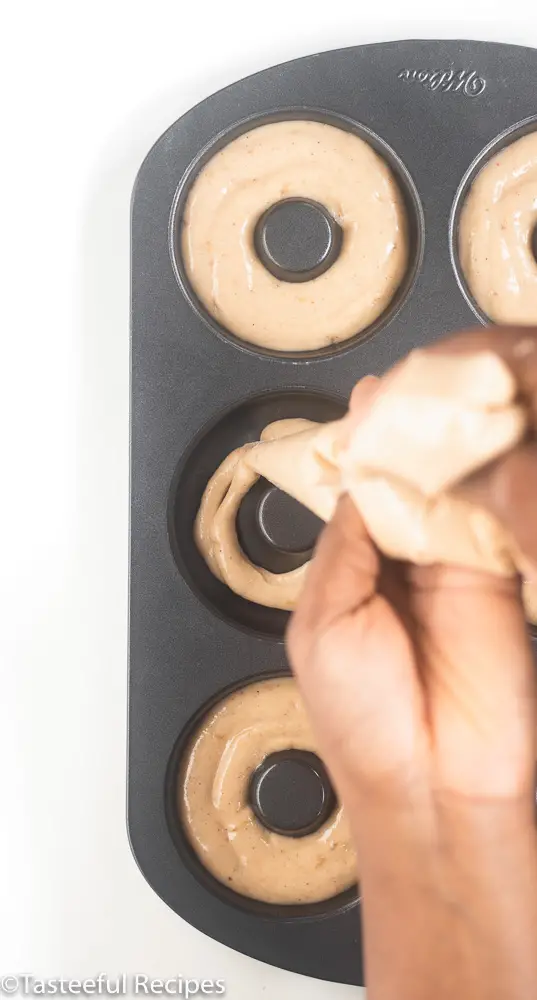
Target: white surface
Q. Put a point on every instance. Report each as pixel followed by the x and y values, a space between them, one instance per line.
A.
pixel 87 88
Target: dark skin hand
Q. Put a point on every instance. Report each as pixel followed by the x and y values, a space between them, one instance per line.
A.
pixel 421 685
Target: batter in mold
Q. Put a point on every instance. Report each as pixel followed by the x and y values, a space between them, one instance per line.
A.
pixel 213 794
pixel 429 423
pixel 497 234
pixel 271 163
pixel 215 529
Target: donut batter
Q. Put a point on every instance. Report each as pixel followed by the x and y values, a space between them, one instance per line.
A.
pixel 215 529
pixel 231 741
pixel 433 421
pixel 496 231
pixel 290 159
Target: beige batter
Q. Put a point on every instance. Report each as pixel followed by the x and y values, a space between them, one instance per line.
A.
pixel 232 740
pixel 283 160
pixel 215 529
pixel 495 234
pixel 432 421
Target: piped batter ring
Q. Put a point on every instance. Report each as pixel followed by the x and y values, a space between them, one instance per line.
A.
pixel 267 166
pixel 493 229
pixel 233 744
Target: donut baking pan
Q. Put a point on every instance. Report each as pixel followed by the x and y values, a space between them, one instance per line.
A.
pixel 435 111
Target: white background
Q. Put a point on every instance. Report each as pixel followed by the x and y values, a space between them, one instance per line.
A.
pixel 86 89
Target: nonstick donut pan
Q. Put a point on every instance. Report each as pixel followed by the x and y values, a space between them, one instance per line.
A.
pixel 435 111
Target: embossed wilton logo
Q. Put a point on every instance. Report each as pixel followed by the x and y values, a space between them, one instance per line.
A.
pixel 465 81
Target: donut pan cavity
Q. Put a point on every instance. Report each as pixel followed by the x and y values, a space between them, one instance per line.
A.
pixel 435 111
pixel 303 913
pixel 274 530
pixel 499 142
pixel 407 188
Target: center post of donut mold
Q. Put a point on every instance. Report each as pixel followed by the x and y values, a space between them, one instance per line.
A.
pixel 297 239
pixel 291 794
pixel 275 530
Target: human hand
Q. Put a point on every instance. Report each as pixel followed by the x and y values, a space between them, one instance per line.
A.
pixel 420 683
pixel 404 667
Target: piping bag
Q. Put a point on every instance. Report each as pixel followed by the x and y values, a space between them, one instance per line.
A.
pixel 433 420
